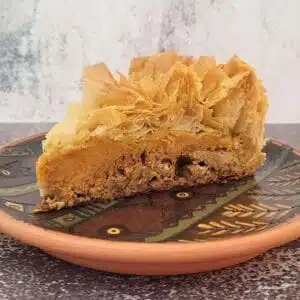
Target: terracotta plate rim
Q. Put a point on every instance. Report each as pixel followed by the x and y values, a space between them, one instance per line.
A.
pixel 136 252
pixel 148 252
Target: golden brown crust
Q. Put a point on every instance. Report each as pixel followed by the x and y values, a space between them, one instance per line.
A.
pixel 169 105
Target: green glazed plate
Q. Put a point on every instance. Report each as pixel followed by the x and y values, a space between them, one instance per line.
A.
pixel 210 212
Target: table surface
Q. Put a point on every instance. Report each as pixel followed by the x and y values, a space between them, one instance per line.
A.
pixel 28 273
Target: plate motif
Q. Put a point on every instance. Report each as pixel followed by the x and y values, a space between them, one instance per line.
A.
pixel 197 214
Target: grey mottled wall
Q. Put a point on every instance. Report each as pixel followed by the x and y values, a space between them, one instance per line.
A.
pixel 45 43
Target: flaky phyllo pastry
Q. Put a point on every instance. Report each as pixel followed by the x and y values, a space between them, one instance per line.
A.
pixel 174 121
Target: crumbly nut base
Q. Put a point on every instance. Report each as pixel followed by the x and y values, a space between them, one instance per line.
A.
pixel 133 174
pixel 49 203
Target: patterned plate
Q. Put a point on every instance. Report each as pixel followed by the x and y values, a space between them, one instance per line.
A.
pixel 207 213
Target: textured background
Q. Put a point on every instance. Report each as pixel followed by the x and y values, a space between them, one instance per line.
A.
pixel 44 45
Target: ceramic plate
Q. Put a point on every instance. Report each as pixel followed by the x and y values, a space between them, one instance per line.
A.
pixel 170 232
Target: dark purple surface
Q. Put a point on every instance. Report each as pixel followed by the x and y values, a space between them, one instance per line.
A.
pixel 28 273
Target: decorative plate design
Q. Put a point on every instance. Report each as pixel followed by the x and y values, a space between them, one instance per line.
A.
pixel 210 212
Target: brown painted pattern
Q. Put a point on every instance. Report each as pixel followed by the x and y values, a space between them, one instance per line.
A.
pixel 188 215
